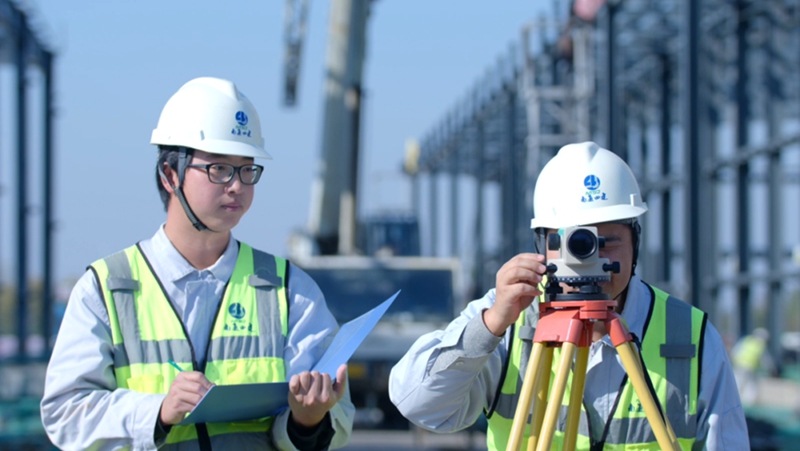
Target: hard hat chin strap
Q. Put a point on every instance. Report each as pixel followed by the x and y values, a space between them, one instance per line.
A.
pixel 636 236
pixel 539 241
pixel 183 162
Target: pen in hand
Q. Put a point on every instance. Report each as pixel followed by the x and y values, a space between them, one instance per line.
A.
pixel 172 362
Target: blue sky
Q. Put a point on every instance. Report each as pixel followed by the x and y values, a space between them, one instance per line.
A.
pixel 119 61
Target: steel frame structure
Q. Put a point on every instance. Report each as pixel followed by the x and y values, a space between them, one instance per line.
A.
pixel 22 49
pixel 702 99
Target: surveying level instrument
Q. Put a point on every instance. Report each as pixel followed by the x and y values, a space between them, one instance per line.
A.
pixel 567 320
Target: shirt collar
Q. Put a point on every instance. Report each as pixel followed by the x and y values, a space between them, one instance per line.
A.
pixel 175 267
pixel 637 305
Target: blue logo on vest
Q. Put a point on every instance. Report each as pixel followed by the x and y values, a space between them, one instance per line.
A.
pixel 636 407
pixel 591 182
pixel 241 118
pixel 236 310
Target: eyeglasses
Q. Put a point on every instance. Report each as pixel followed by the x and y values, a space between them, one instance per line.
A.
pixel 222 173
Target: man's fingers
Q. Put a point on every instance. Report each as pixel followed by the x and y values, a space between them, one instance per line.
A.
pixel 523 275
pixel 341 380
pixel 327 382
pixel 294 382
pixel 521 270
pixel 306 383
pixel 197 377
pixel 188 396
pixel 187 390
pixel 526 261
pixel 528 256
pixel 315 388
pixel 518 291
pixel 316 384
pixel 326 388
pixel 191 385
pixel 195 387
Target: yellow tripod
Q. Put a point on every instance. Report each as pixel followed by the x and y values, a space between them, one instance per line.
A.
pixel 569 324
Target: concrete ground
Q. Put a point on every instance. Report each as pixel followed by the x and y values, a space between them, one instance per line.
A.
pixel 778 399
pixel 779 393
pixel 417 439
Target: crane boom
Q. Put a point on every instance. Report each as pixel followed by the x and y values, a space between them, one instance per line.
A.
pixel 295 13
pixel 332 219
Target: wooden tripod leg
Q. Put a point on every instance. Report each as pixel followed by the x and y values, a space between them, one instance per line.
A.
pixel 576 399
pixel 659 423
pixel 540 401
pixel 556 395
pixel 526 394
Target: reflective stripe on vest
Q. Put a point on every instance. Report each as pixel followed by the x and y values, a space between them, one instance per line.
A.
pixel 246 341
pixel 670 350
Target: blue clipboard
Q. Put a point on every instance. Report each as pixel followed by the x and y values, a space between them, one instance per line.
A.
pixel 229 403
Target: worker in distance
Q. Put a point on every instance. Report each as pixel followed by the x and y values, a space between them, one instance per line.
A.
pixel 150 329
pixel 476 365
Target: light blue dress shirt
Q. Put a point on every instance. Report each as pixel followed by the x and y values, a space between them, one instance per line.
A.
pixel 82 409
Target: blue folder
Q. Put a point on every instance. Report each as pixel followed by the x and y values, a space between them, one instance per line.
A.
pixel 230 403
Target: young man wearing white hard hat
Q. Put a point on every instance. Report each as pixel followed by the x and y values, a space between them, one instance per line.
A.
pixel 150 329
pixel 476 365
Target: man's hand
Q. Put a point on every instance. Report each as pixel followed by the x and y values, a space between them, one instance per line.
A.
pixel 186 391
pixel 516 288
pixel 312 395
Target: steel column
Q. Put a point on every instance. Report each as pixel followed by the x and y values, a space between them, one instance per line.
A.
pixel 692 151
pixel 48 222
pixel 434 212
pixel 665 272
pixel 454 156
pixel 775 201
pixel 743 171
pixel 22 190
pixel 480 175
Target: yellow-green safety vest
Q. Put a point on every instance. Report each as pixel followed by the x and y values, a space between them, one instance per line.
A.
pixel 245 346
pixel 672 352
pixel 748 355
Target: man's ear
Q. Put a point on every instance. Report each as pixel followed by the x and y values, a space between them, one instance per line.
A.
pixel 171 180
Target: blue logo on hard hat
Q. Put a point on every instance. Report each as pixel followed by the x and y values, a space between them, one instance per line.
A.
pixel 236 310
pixel 241 118
pixel 593 193
pixel 591 182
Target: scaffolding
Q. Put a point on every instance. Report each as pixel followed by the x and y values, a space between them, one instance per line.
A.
pixel 701 98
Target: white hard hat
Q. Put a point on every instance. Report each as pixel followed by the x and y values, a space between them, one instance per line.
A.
pixel 760 332
pixel 585 184
pixel 211 115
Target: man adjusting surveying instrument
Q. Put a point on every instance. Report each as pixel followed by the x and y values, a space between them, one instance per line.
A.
pixel 567 319
pixel 676 391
